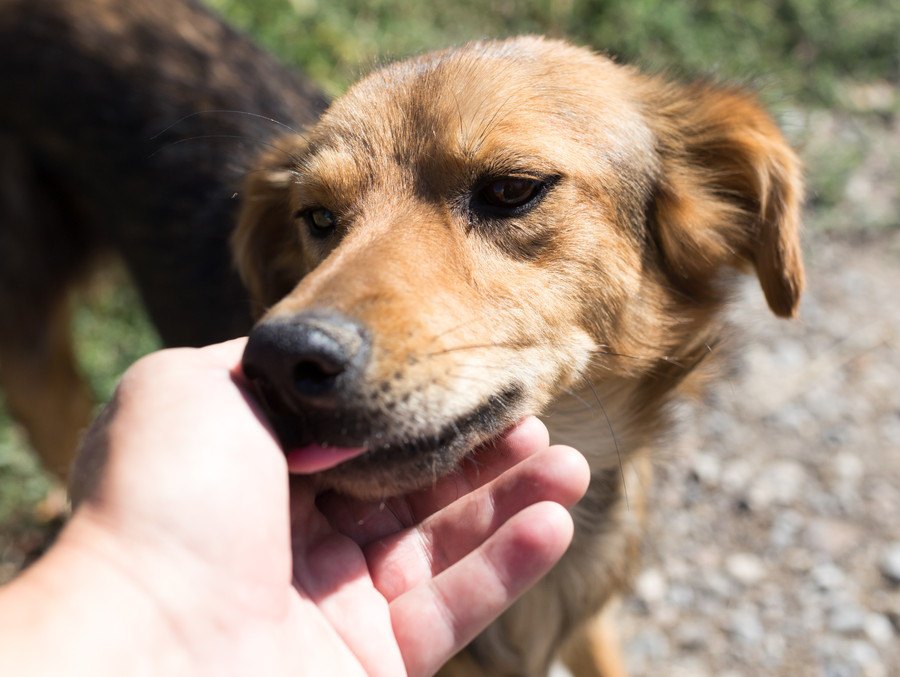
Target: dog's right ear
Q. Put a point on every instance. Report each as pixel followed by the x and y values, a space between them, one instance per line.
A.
pixel 266 245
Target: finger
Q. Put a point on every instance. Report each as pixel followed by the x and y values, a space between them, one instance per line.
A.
pixel 226 354
pixel 526 438
pixel 330 570
pixel 332 574
pixel 435 620
pixel 365 521
pixel 404 560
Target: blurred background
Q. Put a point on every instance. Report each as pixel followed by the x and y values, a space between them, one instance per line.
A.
pixel 774 544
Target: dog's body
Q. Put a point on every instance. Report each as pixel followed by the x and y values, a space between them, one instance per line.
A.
pixel 97 155
pixel 504 229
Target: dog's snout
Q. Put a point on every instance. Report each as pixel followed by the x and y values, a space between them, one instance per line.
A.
pixel 305 360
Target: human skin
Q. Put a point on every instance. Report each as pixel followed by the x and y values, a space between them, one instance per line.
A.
pixel 192 551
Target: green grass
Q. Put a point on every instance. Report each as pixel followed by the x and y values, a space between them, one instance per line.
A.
pixel 111 331
pixel 804 49
pixel 22 483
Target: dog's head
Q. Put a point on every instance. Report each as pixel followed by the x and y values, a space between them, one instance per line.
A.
pixel 466 235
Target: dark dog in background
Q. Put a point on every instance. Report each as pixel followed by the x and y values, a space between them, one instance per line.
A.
pixel 113 140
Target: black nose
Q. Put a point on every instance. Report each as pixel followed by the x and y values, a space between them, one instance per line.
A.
pixel 308 359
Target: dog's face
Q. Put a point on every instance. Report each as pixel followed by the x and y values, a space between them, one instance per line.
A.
pixel 467 235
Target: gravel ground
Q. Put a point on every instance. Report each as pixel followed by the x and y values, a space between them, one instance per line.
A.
pixel 774 540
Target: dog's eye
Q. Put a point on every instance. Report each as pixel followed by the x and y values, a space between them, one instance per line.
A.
pixel 509 192
pixel 321 222
pixel 508 195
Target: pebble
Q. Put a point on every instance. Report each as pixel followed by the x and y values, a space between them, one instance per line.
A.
pixel 559 670
pixel 778 484
pixel 651 586
pixel 811 618
pixel 736 475
pixel 798 559
pixel 689 668
pixel 894 617
pixel 827 576
pixel 718 584
pixel 785 527
pixel 692 636
pixel 774 646
pixel 834 537
pixel 681 595
pixel 890 429
pixel 707 469
pixel 650 644
pixel 846 619
pixel 890 563
pixel 879 628
pixel 745 568
pixel 866 656
pixel 746 626
pixel 847 467
pixel 789 354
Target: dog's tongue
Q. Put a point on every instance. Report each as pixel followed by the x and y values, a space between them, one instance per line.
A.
pixel 315 457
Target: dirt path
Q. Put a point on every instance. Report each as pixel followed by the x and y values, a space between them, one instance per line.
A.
pixel 770 547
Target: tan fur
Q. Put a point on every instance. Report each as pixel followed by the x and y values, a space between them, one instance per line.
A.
pixel 44 389
pixel 596 304
pixel 594 649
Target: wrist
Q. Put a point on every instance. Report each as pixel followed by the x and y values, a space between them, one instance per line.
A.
pixel 78 610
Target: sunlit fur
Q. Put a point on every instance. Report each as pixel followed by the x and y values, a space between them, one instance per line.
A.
pixel 597 304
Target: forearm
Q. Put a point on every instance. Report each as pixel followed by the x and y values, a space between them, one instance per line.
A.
pixel 74 612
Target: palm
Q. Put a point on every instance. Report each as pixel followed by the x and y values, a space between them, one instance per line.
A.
pixel 374 588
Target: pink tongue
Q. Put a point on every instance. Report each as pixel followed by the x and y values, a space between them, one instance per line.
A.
pixel 315 457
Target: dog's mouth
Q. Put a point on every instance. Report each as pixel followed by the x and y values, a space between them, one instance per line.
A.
pixel 370 453
pixel 317 457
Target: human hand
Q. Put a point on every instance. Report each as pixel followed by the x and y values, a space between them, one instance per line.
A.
pixel 184 508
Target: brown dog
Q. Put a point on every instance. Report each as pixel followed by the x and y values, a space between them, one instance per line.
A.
pixel 126 128
pixel 503 229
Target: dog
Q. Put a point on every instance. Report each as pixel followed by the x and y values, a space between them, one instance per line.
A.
pixel 510 228
pixel 126 130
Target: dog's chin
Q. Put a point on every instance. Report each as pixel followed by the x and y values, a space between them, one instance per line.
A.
pixel 394 470
pixel 394 464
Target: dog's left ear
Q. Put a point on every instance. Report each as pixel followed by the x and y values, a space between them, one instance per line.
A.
pixel 729 191
pixel 265 246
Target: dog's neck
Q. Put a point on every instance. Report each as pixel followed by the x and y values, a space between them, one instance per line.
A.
pixel 609 422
